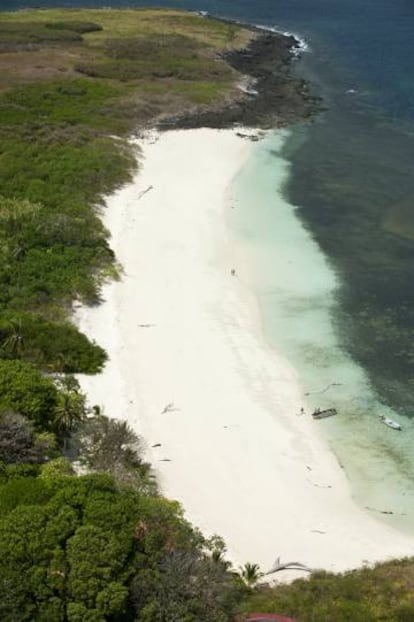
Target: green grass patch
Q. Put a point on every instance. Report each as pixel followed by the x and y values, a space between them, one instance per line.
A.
pixel 135 22
pixel 202 93
pixel 79 27
pixel 155 48
pixel 58 155
pixel 196 92
pixel 75 101
pixel 161 56
pixel 21 33
pixel 16 32
pixel 212 31
pixel 168 67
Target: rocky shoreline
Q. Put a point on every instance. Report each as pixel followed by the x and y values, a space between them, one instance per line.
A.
pixel 272 96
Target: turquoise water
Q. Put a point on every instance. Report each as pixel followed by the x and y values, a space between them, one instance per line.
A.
pixel 297 290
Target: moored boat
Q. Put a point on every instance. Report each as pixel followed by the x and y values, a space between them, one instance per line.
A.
pixel 321 414
pixel 390 423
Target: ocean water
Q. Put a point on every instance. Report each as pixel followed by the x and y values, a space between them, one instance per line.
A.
pixel 326 214
pixel 298 291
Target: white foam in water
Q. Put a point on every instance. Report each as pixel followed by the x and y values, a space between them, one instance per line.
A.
pixel 301 44
pixel 296 289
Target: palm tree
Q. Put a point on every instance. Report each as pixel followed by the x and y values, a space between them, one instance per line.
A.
pixel 14 342
pixel 218 558
pixel 70 409
pixel 250 573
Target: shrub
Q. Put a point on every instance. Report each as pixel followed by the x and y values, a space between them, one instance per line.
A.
pixel 107 445
pixel 24 390
pixel 53 346
pixel 26 32
pixel 80 27
pixel 20 444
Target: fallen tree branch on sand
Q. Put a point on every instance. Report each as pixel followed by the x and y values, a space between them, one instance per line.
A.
pixel 277 567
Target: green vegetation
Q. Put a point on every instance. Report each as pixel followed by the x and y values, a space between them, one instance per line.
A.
pixel 52 346
pixel 64 119
pixel 98 547
pixel 385 592
pixel 164 56
pixel 80 27
pixel 108 446
pixel 11 34
pixel 124 23
pixel 23 32
pixel 73 85
pixel 51 404
pixel 80 549
pixel 24 390
pixel 106 546
pixel 21 444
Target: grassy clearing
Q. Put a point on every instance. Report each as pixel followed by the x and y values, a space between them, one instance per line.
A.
pixel 145 22
pixel 124 48
pixel 127 45
pixel 70 82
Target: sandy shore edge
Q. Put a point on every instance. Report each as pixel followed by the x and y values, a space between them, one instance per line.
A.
pixel 190 371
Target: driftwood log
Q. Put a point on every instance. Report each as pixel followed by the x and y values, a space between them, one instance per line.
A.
pixel 277 567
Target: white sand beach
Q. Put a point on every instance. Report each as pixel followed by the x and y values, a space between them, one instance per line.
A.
pixel 191 372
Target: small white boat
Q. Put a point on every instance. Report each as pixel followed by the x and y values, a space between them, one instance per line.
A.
pixel 390 423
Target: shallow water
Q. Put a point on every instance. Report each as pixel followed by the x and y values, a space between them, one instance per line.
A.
pixel 297 289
